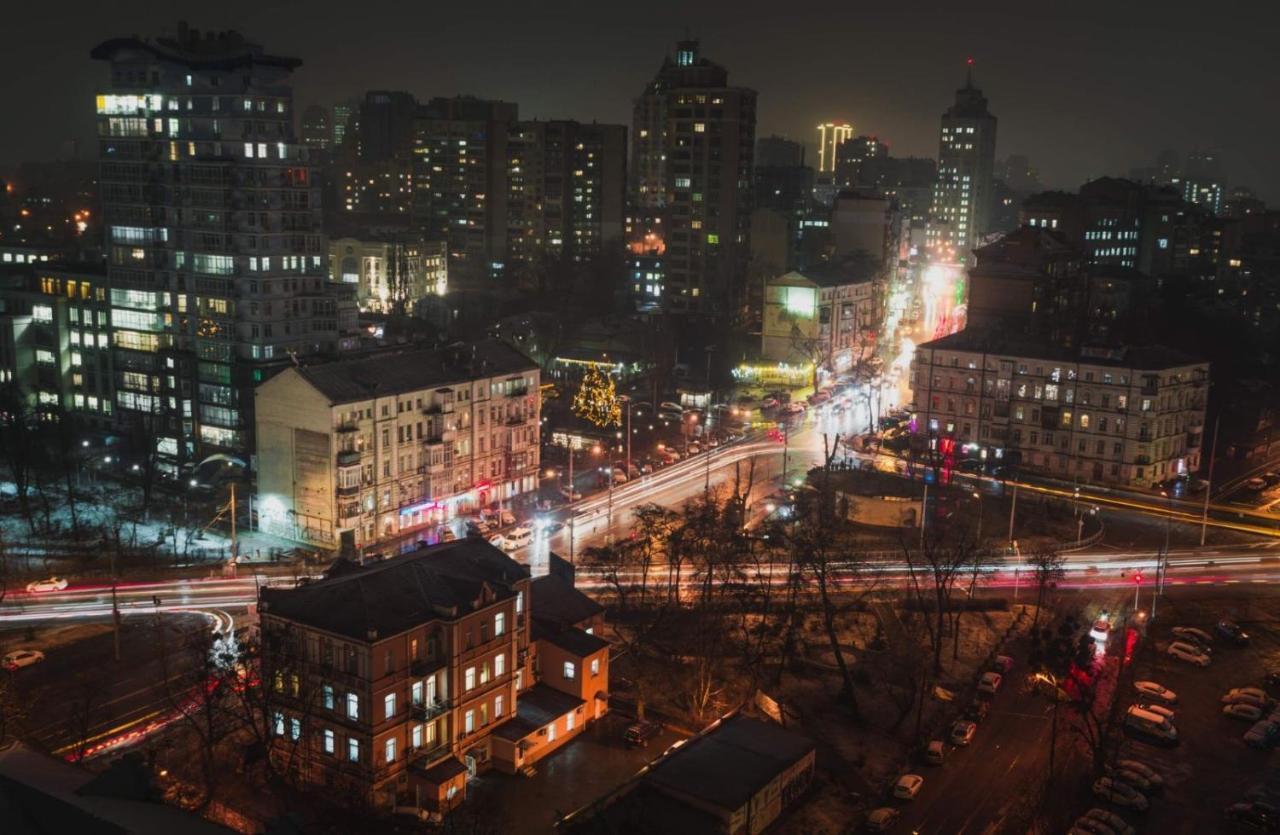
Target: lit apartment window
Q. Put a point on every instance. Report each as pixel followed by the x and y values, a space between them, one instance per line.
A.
pixel 278 723
pixel 390 750
pixel 497 707
pixel 470 679
pixel 330 744
pixel 595 667
pixel 353 750
pixel 519 602
pixel 568 722
pixel 353 706
pixel 551 732
pixel 295 729
pixel 499 624
pixel 416 736
pixel 499 664
pixel 570 670
pixel 469 722
pixel 327 696
pixel 389 705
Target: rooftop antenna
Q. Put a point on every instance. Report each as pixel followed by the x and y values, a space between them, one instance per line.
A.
pixel 968 76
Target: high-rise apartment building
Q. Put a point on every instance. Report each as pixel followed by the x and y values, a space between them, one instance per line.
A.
pixel 778 152
pixel 831 135
pixel 566 186
pixel 460 180
pixel 317 127
pixel 851 155
pixel 216 257
pixel 346 121
pixel 966 163
pixel 693 139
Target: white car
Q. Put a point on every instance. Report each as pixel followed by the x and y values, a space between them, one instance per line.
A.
pixel 1158 691
pixel 1101 630
pixel 21 658
pixel 990 683
pixel 1240 710
pixel 908 786
pixel 1161 710
pixel 882 820
pixel 1183 651
pixel 1246 696
pixel 1119 793
pixel 1111 819
pixel 51 584
pixel 1195 636
pixel 1154 777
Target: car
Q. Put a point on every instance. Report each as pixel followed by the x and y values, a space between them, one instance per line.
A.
pixel 619 477
pixel 694 449
pixel 977 710
pixel 1158 691
pixel 672 408
pixel 639 733
pixel 989 683
pixel 1089 826
pixel 1111 819
pixel 1183 651
pixel 1002 664
pixel 1257 484
pixel 1263 734
pixel 1255 815
pixel 1231 632
pixel 49 584
pixel 908 786
pixel 447 535
pixel 517 538
pixel 1101 630
pixel 1240 710
pixel 934 752
pixel 962 732
pixel 500 541
pixel 479 527
pixel 882 819
pixel 20 658
pixel 1155 778
pixel 793 409
pixel 1160 710
pixel 769 404
pixel 1130 777
pixel 1247 695
pixel 1195 636
pixel 549 528
pixel 1120 793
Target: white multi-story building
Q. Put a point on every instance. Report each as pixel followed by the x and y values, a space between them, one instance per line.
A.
pixel 361 450
pixel 1131 416
pixel 392 272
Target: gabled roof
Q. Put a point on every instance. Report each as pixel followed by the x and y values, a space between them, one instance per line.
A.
pixel 558 604
pixel 442 581
pixel 395 372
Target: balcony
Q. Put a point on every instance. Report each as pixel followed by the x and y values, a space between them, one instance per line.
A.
pixel 426 711
pixel 347 491
pixel 516 420
pixel 348 457
pixel 421 668
pixel 519 391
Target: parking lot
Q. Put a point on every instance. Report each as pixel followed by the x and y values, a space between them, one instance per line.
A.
pixel 1211 767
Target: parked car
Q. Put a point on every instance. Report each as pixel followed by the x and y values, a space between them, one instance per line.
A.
pixel 1002 664
pixel 1263 734
pixel 639 733
pixel 49 584
pixel 518 538
pixel 935 752
pixel 1160 710
pixel 1255 816
pixel 882 819
pixel 1193 635
pixel 1153 726
pixel 1158 691
pixel 962 732
pixel 1101 630
pixel 977 710
pixel 989 683
pixel 1184 651
pixel 1247 695
pixel 1240 710
pixel 1231 632
pixel 694 449
pixel 908 786
pixel 1121 794
pixel 18 659
pixel 1155 778
pixel 1111 819
pixel 1131 777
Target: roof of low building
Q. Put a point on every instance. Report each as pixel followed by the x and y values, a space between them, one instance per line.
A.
pixel 439 582
pixel 536 708
pixel 575 641
pixel 1002 342
pixel 388 373
pixel 728 764
pixel 444 771
pixel 640 810
pixel 843 273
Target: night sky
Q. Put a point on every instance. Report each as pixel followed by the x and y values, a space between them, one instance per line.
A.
pixel 1082 88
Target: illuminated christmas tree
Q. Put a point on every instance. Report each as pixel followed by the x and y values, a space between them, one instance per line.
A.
pixel 597 399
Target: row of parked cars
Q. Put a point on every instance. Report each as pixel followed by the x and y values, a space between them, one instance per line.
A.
pixel 960 735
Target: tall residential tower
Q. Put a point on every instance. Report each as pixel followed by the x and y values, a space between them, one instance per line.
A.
pixel 966 165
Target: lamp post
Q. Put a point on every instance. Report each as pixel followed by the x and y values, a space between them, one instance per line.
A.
pixel 1208 487
pixel 978 496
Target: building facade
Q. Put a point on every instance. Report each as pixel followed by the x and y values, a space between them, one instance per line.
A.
pixel 831 137
pixel 962 196
pixel 392 272
pixel 826 316
pixel 1128 416
pixel 400 681
pixel 693 140
pixel 216 258
pixel 361 450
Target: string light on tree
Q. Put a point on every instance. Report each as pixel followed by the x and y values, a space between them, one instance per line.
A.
pixel 597 399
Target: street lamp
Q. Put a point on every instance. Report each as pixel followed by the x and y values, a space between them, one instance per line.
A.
pixel 978 496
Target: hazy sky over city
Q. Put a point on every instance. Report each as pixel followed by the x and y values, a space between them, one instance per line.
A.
pixel 1082 88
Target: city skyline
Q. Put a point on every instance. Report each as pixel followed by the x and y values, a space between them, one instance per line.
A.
pixel 892 84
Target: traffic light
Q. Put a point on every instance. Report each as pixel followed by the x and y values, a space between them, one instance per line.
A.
pixel 1137 577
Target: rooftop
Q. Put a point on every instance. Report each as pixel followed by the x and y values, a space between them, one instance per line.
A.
pixel 208 51
pixel 725 766
pixel 555 601
pixel 442 581
pixel 399 371
pixel 1004 343
pixel 536 708
pixel 576 641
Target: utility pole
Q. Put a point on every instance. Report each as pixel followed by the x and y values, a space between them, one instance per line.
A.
pixel 924 511
pixel 235 546
pixel 1208 488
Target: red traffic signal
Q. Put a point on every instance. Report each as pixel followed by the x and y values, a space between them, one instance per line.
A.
pixel 1137 578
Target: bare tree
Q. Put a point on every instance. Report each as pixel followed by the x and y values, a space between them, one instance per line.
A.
pixel 1047 568
pixel 17 441
pixel 933 571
